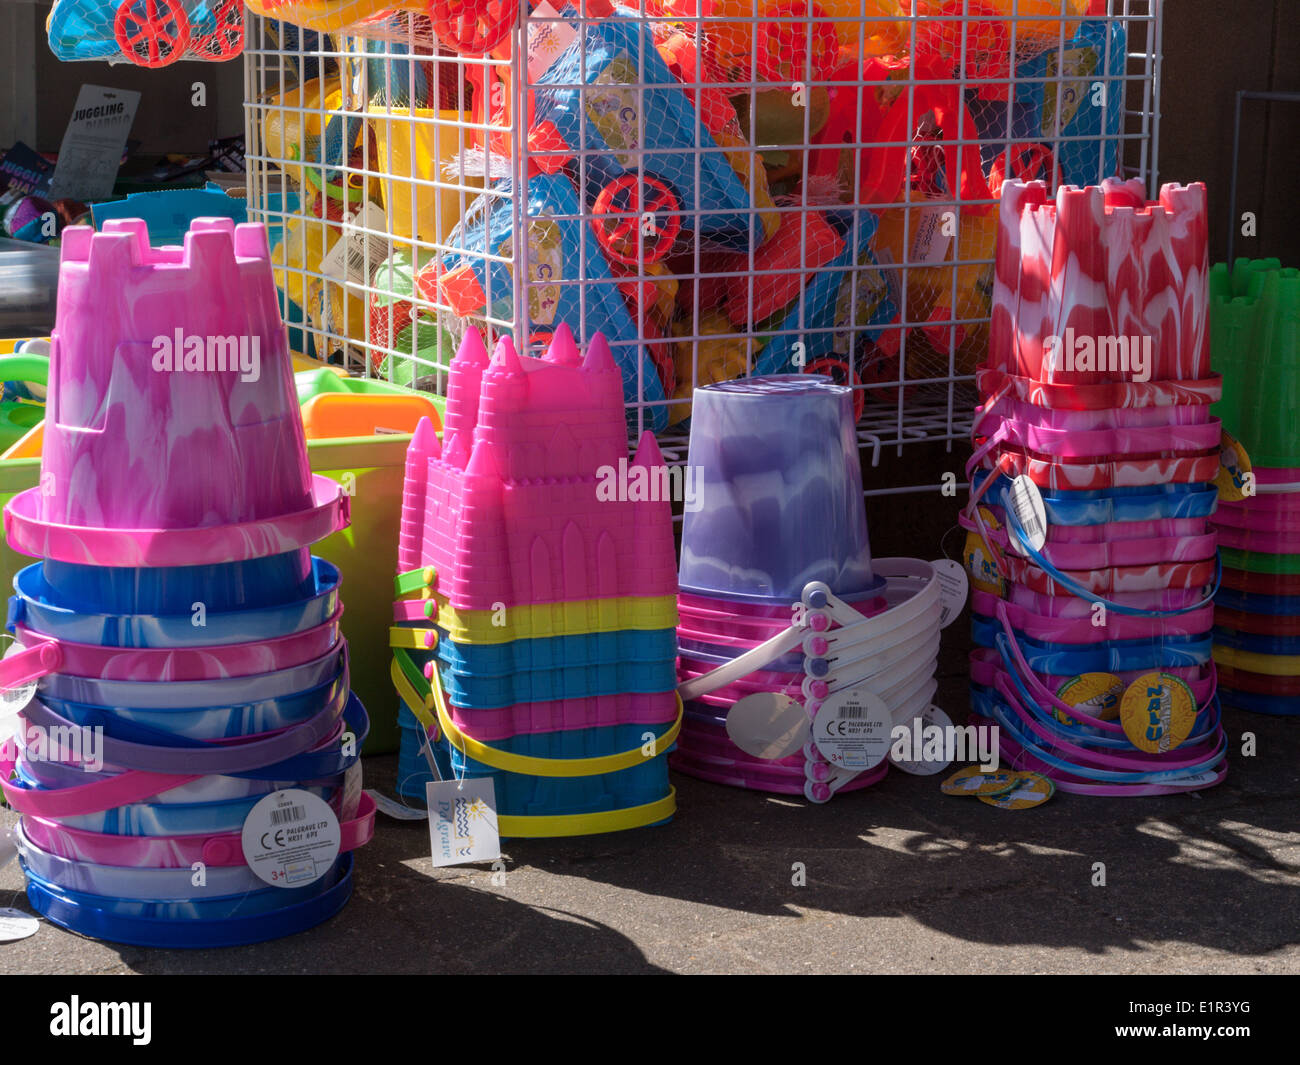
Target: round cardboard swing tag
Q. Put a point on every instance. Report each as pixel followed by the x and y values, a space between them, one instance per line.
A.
pixel 975 781
pixel 1158 712
pixel 954 586
pixel 1025 502
pixel 1029 790
pixel 852 729
pixel 16 925
pixel 291 838
pixel 768 725
pixel 917 763
pixel 1096 694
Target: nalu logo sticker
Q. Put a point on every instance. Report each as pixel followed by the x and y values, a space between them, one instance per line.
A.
pixel 1158 712
pixel 975 781
pixel 1096 694
pixel 1028 791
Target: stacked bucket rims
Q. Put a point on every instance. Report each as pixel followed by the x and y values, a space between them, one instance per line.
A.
pixel 1255 345
pixel 178 662
pixel 777 584
pixel 1089 543
pixel 534 635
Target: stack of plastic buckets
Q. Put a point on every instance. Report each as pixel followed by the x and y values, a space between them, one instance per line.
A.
pixel 1255 345
pixel 779 506
pixel 534 635
pixel 184 643
pixel 1089 541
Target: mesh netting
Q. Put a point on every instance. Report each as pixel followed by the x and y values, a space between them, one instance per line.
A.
pixel 719 188
pixel 147 33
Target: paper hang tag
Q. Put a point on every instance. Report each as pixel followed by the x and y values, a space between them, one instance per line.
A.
pixel 351 792
pixel 852 729
pixel 549 37
pixel 291 838
pixel 917 763
pixel 361 249
pixel 394 809
pixel 768 725
pixel 1029 790
pixel 954 586
pixel 463 821
pixel 91 151
pixel 975 781
pixel 1026 503
pixel 15 925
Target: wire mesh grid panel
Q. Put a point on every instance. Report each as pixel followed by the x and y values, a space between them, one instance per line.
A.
pixel 721 188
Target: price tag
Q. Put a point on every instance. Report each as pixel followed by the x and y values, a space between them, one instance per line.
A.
pixel 954 586
pixel 918 764
pixel 852 729
pixel 291 838
pixel 15 925
pixel 463 821
pixel 1026 503
pixel 768 725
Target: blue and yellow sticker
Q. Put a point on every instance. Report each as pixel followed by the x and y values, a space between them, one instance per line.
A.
pixel 1028 791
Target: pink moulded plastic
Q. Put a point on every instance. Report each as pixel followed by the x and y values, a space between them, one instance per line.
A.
pixel 1108 554
pixel 181 663
pixel 986 663
pixel 507 510
pixel 170 852
pixel 1106 582
pixel 1116 530
pixel 1263 541
pixel 1279 510
pixel 562 715
pixel 1101 262
pixel 1058 606
pixel 131 443
pixel 1127 471
pixel 1005 406
pixel 1258 517
pixel 1081 630
pixel 1110 396
pixel 1078 445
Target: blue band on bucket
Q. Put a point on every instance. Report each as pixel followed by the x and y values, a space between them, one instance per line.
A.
pixel 87 915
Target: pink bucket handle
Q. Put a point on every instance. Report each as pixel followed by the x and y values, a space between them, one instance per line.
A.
pixel 1037 688
pixel 30 664
pixel 122 790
